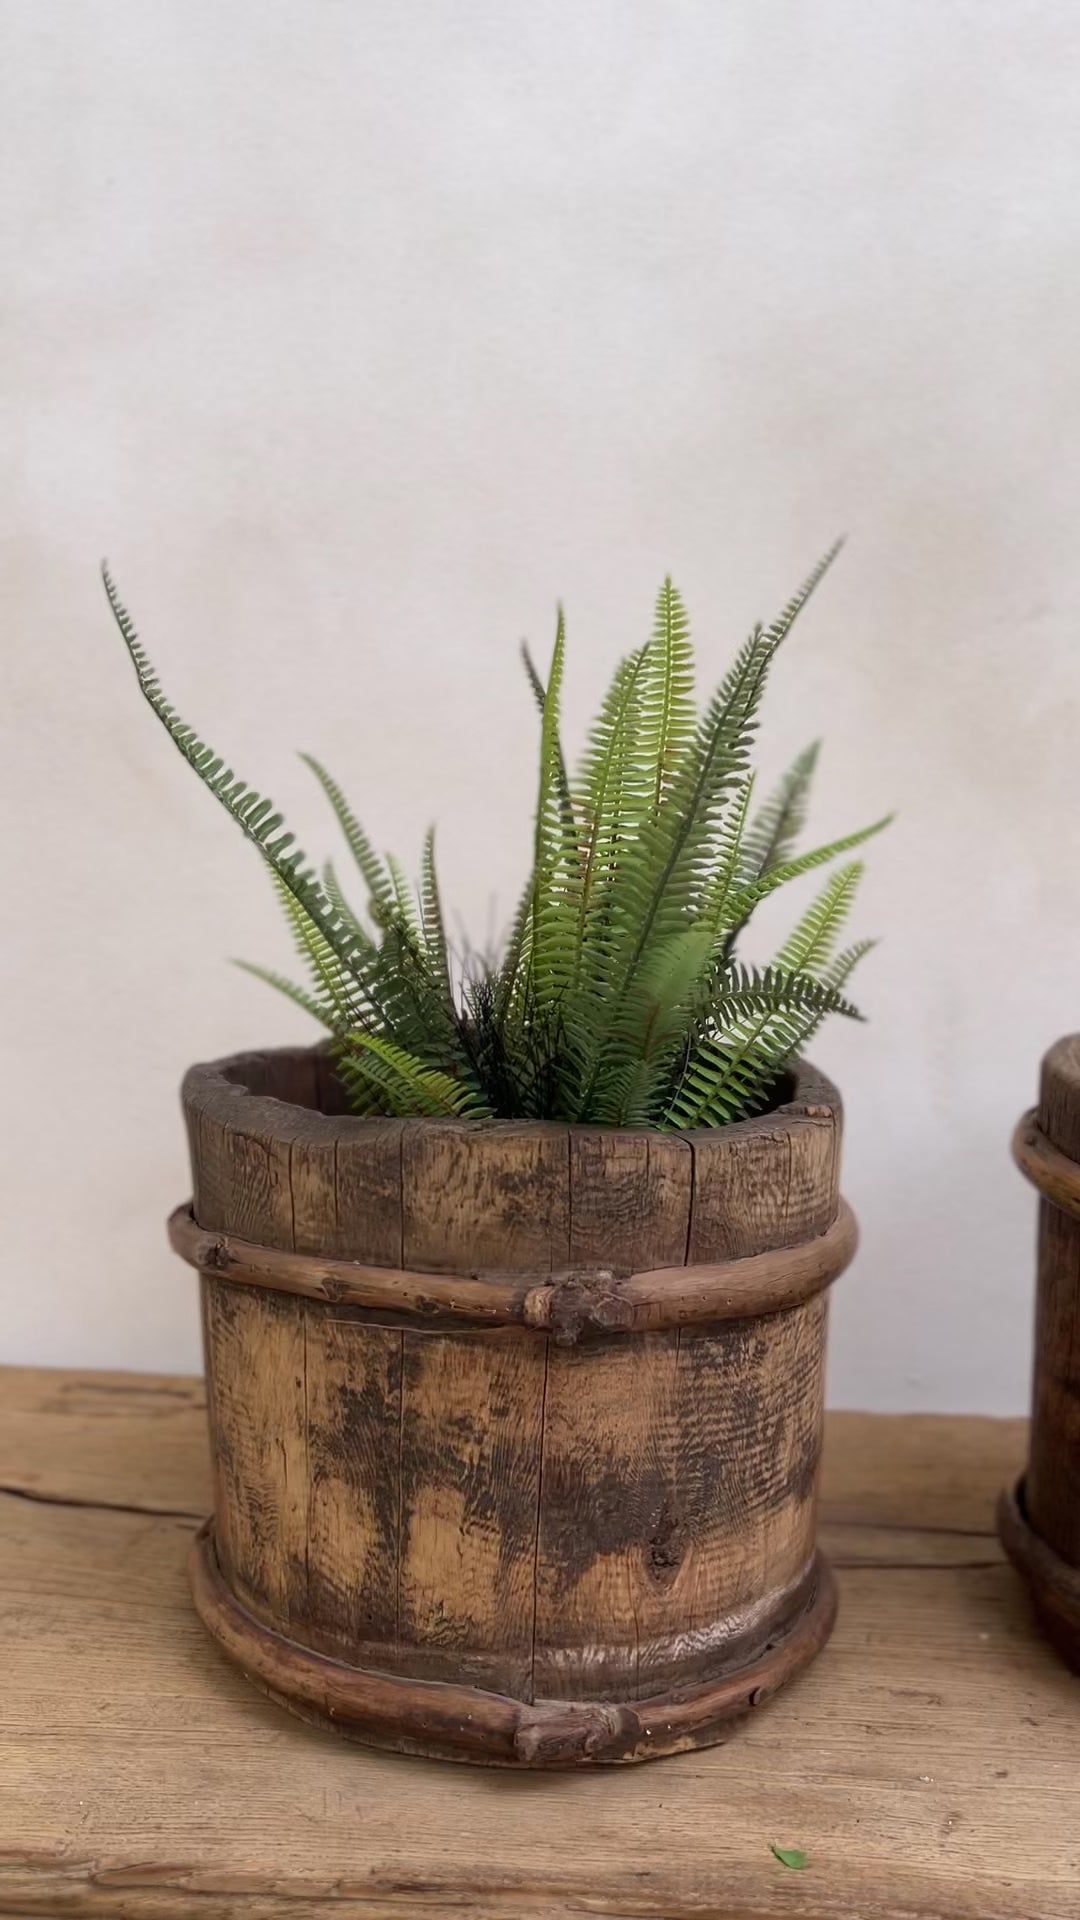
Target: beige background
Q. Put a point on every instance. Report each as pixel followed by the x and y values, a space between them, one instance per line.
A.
pixel 355 335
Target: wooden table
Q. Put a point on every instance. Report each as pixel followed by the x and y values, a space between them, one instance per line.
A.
pixel 929 1764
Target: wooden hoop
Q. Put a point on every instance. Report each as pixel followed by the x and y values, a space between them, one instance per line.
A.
pixel 1054 1583
pixel 567 1305
pixel 1051 1171
pixel 453 1722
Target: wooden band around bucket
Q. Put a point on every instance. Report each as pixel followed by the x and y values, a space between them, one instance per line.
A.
pixel 1056 1176
pixel 458 1722
pixel 566 1305
pixel 1054 1583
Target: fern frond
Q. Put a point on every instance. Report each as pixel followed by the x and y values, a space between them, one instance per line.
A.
pixel 665 1001
pixel 339 987
pixel 379 886
pixel 254 813
pixel 775 828
pixel 431 918
pixel 413 1087
pixel 731 1068
pixel 728 858
pixel 810 944
pixel 785 1036
pixel 666 727
pixel 779 628
pixel 741 903
pixel 664 873
pixel 318 1009
pixel 562 780
pixel 555 877
pixel 335 894
pixel 404 905
pixel 612 796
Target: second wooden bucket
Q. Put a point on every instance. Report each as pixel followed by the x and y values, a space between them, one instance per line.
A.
pixel 1039 1520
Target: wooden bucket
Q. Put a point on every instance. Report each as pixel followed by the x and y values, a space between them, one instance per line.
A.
pixel 1039 1520
pixel 515 1426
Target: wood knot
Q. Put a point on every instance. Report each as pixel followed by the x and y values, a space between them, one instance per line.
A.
pixel 576 1303
pixel 216 1258
pixel 423 1303
pixel 557 1735
pixel 666 1546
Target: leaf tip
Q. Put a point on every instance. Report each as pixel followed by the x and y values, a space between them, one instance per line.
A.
pixel 793 1858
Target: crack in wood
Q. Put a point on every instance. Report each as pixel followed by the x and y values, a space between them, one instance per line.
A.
pixel 40 1497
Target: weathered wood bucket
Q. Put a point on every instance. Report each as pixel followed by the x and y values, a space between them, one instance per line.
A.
pixel 1039 1520
pixel 515 1426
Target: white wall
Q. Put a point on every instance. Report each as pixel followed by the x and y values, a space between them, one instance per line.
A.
pixel 355 334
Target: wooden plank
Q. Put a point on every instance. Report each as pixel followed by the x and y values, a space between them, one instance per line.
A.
pixel 656 1456
pixel 471 1424
pixel 928 1762
pixel 767 1183
pixel 924 1471
pixel 367 1174
pixel 352 1516
pixel 314 1226
pixel 609 1540
pixel 679 1470
pixel 477 1196
pixel 256 1361
pixel 629 1199
pixel 135 1440
pixel 748 1418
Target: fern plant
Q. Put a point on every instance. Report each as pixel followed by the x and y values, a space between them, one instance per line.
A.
pixel 620 998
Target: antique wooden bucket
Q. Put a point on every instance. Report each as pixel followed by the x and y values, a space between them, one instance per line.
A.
pixel 1039 1520
pixel 515 1426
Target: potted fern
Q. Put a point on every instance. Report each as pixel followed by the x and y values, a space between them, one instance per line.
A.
pixel 514 1286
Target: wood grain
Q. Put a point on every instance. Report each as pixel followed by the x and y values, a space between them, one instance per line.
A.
pixel 256 1360
pixel 471 1425
pixel 353 1516
pixel 763 1183
pixel 630 1195
pixel 485 1195
pixel 927 1763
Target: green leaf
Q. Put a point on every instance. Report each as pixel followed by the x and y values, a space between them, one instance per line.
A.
pixel 664 874
pixel 333 890
pixel 554 876
pixel 317 1008
pixel 414 1087
pixel 792 1857
pixel 667 697
pixel 734 911
pixel 431 918
pixel 378 883
pixel 776 827
pixel 254 813
pixel 566 804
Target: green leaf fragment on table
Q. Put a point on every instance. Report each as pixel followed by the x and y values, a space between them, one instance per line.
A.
pixel 792 1857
